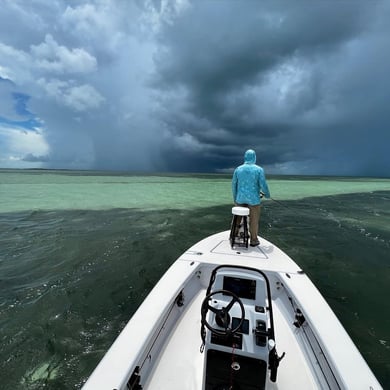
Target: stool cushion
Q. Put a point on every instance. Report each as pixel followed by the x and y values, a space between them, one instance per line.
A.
pixel 243 211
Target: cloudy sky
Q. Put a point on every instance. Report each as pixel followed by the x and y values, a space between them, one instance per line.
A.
pixel 189 85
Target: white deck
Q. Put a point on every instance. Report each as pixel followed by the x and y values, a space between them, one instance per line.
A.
pixel 181 364
pixel 164 339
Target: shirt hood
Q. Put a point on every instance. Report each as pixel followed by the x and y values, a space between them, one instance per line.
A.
pixel 250 157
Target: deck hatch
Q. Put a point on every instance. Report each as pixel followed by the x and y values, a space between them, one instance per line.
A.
pixel 226 370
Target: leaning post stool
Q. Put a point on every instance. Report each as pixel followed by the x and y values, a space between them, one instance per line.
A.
pixel 239 235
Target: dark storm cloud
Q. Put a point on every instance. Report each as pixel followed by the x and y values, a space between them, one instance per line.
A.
pixel 83 67
pixel 303 83
pixel 188 85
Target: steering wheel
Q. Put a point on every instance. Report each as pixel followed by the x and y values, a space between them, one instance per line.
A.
pixel 222 317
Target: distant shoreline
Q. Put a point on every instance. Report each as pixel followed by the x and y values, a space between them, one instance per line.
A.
pixel 95 172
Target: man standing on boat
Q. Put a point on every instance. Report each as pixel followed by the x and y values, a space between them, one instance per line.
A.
pixel 248 186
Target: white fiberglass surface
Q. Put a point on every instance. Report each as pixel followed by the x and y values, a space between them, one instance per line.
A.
pixel 180 365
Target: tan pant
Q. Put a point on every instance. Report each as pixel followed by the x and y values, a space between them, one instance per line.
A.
pixel 254 217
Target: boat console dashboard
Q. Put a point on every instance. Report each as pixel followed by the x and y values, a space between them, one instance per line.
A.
pixel 237 326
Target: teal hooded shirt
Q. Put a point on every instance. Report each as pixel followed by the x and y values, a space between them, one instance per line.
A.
pixel 248 181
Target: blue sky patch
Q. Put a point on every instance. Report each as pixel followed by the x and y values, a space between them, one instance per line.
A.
pixel 20 103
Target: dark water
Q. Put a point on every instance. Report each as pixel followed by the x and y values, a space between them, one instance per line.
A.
pixel 70 280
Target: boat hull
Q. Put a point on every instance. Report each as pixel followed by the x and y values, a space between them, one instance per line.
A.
pixel 160 346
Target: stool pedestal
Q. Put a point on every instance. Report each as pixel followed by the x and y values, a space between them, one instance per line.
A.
pixel 239 234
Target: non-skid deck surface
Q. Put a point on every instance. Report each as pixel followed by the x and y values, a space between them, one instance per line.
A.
pixel 180 366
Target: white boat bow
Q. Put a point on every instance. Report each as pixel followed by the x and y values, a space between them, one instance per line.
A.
pixel 233 318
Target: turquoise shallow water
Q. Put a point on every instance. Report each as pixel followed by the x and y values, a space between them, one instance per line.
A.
pixel 80 250
pixel 69 190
